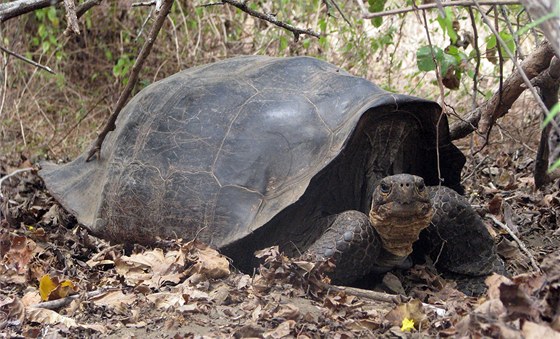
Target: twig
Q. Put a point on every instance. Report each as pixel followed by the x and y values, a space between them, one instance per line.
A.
pixel 443 4
pixel 477 50
pixel 518 241
pixel 372 295
pixel 71 18
pixel 56 304
pixel 144 52
pixel 270 18
pixel 333 3
pixel 29 61
pixel 146 3
pixel 441 91
pixel 11 175
pixel 86 6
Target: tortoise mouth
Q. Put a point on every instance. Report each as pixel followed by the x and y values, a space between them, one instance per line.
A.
pixel 405 211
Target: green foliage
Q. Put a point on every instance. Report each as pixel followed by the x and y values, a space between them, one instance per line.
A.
pixel 374 7
pixel 446 24
pixel 123 65
pixel 47 32
pixel 425 59
pixel 551 115
pixel 492 43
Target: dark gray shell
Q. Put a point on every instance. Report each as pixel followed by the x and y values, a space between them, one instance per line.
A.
pixel 221 150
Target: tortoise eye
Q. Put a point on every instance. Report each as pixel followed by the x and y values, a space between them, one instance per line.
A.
pixel 421 186
pixel 384 187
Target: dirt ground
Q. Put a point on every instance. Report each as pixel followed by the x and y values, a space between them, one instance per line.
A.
pixel 56 280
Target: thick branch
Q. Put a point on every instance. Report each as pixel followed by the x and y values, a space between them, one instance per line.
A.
pixel 71 17
pixel 144 52
pixel 533 65
pixel 272 19
pixel 19 7
pixel 438 3
pixel 549 83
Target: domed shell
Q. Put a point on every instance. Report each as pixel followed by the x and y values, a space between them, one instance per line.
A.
pixel 217 151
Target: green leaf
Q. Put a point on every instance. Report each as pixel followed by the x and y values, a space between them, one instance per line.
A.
pixel 46 46
pixel 424 58
pixel 51 14
pixel 374 7
pixel 551 115
pixel 42 31
pixel 554 166
pixel 446 62
pixel 491 41
pixel 446 24
pixel 283 43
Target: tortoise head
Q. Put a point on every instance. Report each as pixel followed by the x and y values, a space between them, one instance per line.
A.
pixel 400 209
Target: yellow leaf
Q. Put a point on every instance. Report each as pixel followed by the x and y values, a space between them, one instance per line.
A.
pixel 52 288
pixel 407 325
pixel 46 286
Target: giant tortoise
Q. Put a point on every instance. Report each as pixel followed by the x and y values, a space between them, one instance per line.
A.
pixel 258 151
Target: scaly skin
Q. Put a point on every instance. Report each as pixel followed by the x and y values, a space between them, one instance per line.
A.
pixel 404 210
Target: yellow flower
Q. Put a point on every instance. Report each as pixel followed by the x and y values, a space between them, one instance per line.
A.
pixel 407 325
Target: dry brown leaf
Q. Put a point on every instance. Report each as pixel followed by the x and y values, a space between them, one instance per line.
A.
pixel 411 310
pixel 532 330
pixel 48 317
pixel 152 268
pixel 493 282
pixel 116 300
pixel 12 312
pixel 166 300
pixel 207 261
pixel 283 330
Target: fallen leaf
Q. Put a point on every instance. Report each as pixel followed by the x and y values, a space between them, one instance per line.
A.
pixel 412 310
pixel 283 330
pixel 207 261
pixel 532 330
pixel 49 317
pixel 53 289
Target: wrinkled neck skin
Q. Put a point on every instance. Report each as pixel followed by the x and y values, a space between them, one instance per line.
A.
pixel 397 233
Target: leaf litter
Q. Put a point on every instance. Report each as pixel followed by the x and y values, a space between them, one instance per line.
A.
pixel 58 280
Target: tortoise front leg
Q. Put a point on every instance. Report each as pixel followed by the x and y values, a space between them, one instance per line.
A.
pixel 457 239
pixel 353 244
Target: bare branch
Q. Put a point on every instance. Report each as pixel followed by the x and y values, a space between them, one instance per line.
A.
pixel 436 5
pixel 335 5
pixel 144 52
pixel 71 18
pixel 533 65
pixel 548 82
pixel 29 61
pixel 270 18
pixel 20 7
pixel 488 119
pixel 86 6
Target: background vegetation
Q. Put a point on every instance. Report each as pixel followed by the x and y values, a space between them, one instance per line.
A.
pixel 58 115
